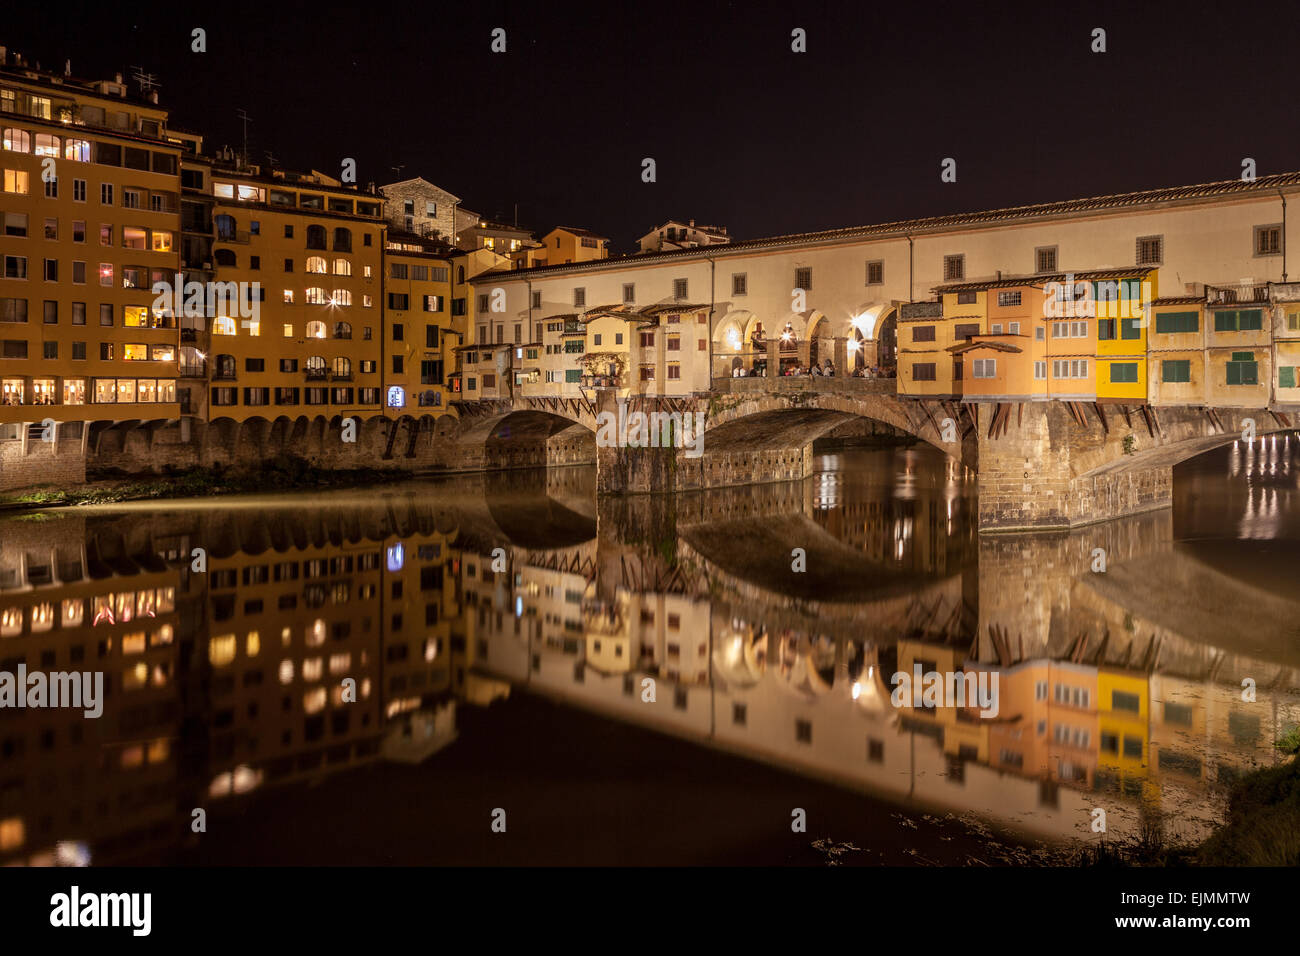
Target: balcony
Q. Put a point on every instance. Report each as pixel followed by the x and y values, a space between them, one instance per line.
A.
pixel 316 374
pixel 194 370
pixel 601 381
pixel 237 236
pixel 223 375
pixel 1254 293
pixel 189 335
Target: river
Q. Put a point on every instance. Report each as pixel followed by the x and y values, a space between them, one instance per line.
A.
pixel 507 669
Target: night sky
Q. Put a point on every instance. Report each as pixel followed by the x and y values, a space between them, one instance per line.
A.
pixel 745 133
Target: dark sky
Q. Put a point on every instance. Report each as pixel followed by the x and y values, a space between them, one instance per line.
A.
pixel 745 133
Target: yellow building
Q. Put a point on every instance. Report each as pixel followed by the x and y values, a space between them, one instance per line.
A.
pixel 1238 346
pixel 1121 304
pixel 90 208
pixel 1176 364
pixel 926 332
pixel 419 334
pixel 1123 726
pixel 308 252
pixel 565 244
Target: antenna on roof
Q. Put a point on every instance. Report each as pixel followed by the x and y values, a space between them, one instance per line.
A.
pixel 270 159
pixel 398 169
pixel 242 115
pixel 147 81
pixel 67 67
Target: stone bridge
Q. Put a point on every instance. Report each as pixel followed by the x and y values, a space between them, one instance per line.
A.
pixel 1040 465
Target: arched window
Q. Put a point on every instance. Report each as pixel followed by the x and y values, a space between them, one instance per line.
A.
pixel 315 264
pixel 47 145
pixel 460 274
pixel 342 267
pixel 77 150
pixel 225 366
pixel 223 325
pixel 342 330
pixel 316 330
pixel 18 140
pixel 225 227
pixel 342 367
pixel 342 240
pixel 341 297
pixel 315 366
pixel 315 237
pixel 225 257
pixel 315 296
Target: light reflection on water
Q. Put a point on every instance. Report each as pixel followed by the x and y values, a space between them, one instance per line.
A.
pixel 446 602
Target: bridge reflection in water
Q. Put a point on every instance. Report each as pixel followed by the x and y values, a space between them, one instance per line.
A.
pixel 1120 690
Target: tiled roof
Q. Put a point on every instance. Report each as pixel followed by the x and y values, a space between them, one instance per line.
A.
pixel 579 231
pixel 1179 300
pixel 1040 280
pixel 997 346
pixel 1262 186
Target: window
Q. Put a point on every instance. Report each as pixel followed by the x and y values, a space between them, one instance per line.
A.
pixel 579 299
pixel 537 300
pixel 1244 320
pixel 1176 370
pixel 954 268
pixel 1168 323
pixel 803 279
pixel 739 283
pixel 1123 373
pixel 679 287
pixel 106 194
pixel 315 237
pixel 1008 298
pixel 923 333
pixel 17 141
pixel 1243 370
pixel 875 272
pixel 965 330
pixel 629 292
pixel 923 371
pixel 1150 250
pixel 79 190
pixel 1268 240
pixel 16 181
pixel 398 270
pixel 1045 259
pixel 1040 370
pixel 984 368
pixel 1286 376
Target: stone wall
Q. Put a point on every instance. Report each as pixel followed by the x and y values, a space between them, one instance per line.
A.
pixel 28 461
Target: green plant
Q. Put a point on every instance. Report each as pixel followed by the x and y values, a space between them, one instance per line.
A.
pixel 1130 443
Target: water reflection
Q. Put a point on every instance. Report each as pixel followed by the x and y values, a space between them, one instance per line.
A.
pixel 332 632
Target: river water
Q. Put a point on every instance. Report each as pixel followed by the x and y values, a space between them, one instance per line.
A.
pixel 506 669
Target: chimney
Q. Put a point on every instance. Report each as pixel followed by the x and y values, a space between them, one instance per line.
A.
pixel 153 96
pixel 67 67
pixel 692 223
pixel 117 78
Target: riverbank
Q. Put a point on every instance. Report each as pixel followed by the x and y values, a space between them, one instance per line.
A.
pixel 279 474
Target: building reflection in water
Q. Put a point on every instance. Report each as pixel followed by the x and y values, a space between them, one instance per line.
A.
pixel 330 634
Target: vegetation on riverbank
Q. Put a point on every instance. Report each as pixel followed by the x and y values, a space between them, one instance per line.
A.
pixel 272 475
pixel 1262 826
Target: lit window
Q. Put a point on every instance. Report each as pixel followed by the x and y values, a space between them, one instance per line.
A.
pixel 288 330
pixel 221 650
pixel 315 330
pixel 253 644
pixel 312 669
pixel 286 671
pixel 314 700
pixel 223 325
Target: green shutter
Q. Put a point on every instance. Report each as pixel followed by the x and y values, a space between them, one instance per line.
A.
pixel 1176 370
pixel 1131 328
pixel 1225 321
pixel 1251 320
pixel 1171 322
pixel 573 374
pixel 1105 328
pixel 1243 356
pixel 1124 372
pixel 1286 376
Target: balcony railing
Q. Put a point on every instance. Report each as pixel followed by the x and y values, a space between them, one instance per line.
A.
pixel 316 374
pixel 1253 293
pixel 921 310
pixel 194 370
pixel 239 236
